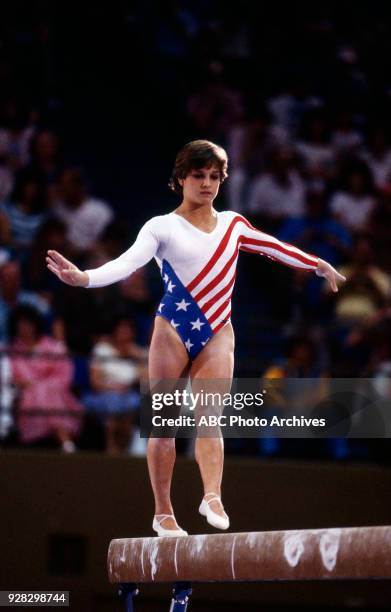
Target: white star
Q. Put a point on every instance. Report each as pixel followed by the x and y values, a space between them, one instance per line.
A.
pixel 203 343
pixel 165 278
pixel 188 344
pixel 175 325
pixel 170 287
pixel 182 305
pixel 196 324
pixel 161 306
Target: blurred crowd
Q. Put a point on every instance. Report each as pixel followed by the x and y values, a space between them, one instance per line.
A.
pixel 72 360
pixel 302 109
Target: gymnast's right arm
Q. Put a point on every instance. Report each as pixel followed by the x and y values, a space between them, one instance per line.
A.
pixel 139 254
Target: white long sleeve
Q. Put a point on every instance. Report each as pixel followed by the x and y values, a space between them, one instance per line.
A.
pixel 140 253
pixel 256 241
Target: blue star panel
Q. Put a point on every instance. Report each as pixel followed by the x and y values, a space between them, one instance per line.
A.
pixel 183 313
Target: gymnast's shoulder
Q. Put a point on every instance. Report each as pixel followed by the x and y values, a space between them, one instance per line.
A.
pixel 230 215
pixel 157 224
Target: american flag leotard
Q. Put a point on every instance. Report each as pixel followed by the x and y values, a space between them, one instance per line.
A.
pixel 198 269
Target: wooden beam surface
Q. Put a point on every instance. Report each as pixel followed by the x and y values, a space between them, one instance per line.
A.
pixel 313 554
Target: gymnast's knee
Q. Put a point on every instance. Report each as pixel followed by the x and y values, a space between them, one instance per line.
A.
pixel 162 444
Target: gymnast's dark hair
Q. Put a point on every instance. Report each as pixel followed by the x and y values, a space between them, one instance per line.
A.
pixel 195 155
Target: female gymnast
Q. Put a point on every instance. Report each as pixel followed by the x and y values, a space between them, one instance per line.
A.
pixel 196 249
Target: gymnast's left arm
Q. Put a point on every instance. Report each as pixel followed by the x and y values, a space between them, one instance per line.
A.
pixel 256 241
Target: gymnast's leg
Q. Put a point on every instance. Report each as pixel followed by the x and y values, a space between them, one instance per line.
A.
pixel 168 359
pixel 215 364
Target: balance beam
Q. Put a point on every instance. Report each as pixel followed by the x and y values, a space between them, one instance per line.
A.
pixel 311 554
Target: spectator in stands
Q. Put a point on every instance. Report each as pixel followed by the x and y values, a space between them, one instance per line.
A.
pixel 215 107
pixel 16 132
pixel 367 288
pixel 50 235
pixel 250 144
pixel 314 145
pixel 346 140
pixel 377 155
pixel 45 160
pixel 138 303
pixel 116 366
pixel 355 202
pixel 22 217
pixel 380 226
pixel 379 362
pixel 111 243
pixel 318 232
pixel 44 383
pixel 302 361
pixel 288 106
pixel 279 193
pixel 84 216
pixel 44 155
pixel 12 295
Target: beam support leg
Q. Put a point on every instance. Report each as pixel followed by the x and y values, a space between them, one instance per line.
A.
pixel 181 595
pixel 127 591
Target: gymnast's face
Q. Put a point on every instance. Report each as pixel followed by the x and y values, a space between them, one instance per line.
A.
pixel 201 186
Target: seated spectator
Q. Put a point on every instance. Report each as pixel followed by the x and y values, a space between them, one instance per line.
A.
pixel 314 145
pixel 355 202
pixel 379 363
pixel 44 156
pixel 16 132
pixel 249 147
pixel 378 157
pixel 279 193
pixel 215 107
pixel 17 128
pixel 23 215
pixel 380 226
pixel 346 140
pixel 116 366
pixel 113 241
pixel 367 287
pixel 288 106
pixel 43 373
pixel 36 276
pixel 138 303
pixel 302 361
pixel 318 232
pixel 12 295
pixel 84 216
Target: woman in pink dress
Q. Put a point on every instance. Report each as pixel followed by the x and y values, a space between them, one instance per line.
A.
pixel 43 372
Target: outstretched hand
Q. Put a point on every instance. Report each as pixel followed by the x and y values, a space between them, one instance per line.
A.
pixel 330 274
pixel 66 270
